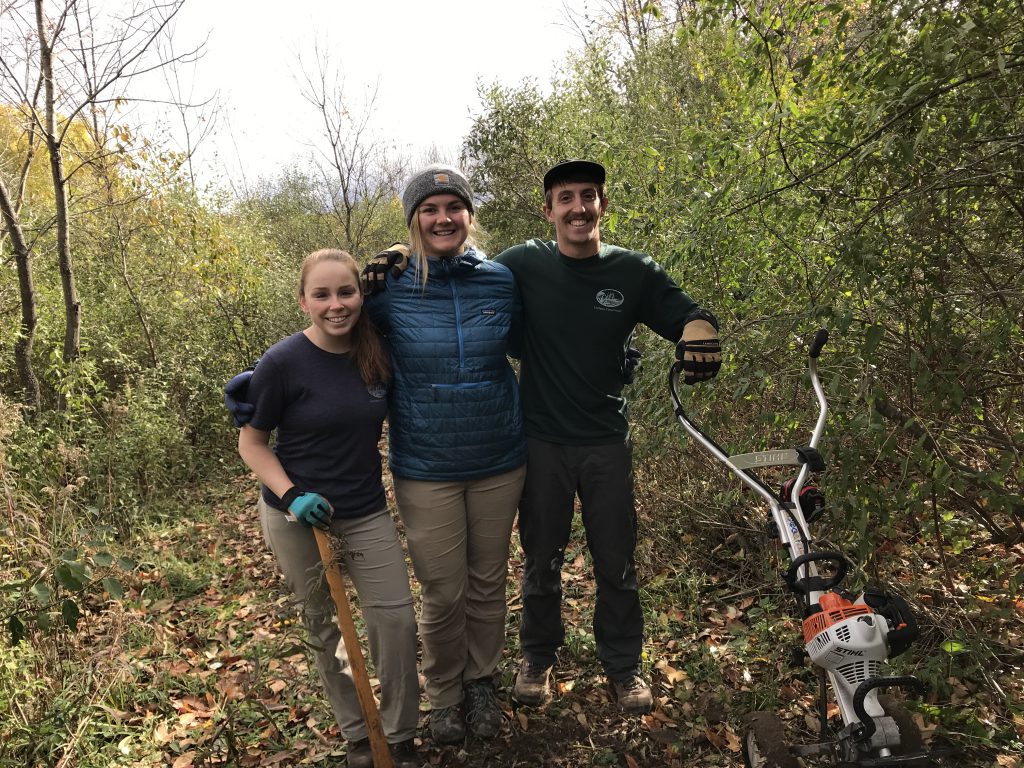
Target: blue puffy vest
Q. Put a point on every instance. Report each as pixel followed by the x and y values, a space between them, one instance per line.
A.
pixel 455 412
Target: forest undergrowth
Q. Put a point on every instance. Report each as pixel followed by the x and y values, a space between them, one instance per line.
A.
pixel 202 662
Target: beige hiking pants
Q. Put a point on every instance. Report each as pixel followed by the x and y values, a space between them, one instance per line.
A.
pixel 458 534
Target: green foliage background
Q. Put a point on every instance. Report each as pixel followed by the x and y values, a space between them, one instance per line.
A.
pixel 856 167
pixel 853 165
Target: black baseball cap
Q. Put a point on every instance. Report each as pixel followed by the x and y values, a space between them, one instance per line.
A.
pixel 574 170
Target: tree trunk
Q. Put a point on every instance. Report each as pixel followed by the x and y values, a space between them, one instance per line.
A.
pixel 27 292
pixel 72 306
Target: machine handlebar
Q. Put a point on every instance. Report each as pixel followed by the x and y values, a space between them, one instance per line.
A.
pixel 820 339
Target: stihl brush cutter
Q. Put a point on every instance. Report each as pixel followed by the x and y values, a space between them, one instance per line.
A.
pixel 848 638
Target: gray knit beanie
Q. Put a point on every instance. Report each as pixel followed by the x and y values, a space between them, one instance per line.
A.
pixel 435 180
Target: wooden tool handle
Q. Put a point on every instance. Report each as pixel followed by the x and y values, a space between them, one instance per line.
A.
pixel 336 582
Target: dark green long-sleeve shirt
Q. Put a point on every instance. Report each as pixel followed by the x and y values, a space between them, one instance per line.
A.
pixel 579 314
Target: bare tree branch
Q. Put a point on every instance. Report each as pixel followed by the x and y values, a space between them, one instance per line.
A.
pixel 359 171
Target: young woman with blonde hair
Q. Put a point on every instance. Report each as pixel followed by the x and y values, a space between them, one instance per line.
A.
pixel 457 448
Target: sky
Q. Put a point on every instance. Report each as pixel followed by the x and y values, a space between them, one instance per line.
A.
pixel 425 60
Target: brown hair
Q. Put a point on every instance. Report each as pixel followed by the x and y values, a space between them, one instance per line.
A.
pixel 368 353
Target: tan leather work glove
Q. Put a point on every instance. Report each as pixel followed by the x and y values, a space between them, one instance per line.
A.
pixel 395 260
pixel 699 349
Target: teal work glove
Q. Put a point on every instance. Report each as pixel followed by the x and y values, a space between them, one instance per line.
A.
pixel 310 509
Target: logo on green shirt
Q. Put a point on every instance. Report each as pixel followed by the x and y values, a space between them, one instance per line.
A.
pixel 610 298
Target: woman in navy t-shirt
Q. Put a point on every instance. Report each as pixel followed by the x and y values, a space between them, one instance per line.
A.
pixel 324 391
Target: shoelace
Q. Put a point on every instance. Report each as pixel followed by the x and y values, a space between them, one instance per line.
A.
pixel 632 683
pixel 444 712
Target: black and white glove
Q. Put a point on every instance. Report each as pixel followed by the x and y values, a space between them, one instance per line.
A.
pixel 393 261
pixel 630 364
pixel 699 350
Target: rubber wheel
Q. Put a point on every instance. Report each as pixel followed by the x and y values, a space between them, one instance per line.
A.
pixel 910 734
pixel 764 744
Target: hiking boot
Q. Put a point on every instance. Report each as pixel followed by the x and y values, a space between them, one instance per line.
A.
pixel 633 695
pixel 359 754
pixel 403 754
pixel 532 683
pixel 447 725
pixel 483 716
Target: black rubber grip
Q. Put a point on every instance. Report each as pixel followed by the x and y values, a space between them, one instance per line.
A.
pixel 867 723
pixel 817 583
pixel 820 339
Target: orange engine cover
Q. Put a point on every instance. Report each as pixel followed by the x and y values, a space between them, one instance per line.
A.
pixel 834 608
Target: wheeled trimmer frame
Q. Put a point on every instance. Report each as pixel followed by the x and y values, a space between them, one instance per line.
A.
pixel 847 638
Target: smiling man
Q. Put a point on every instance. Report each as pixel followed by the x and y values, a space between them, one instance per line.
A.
pixel 582 299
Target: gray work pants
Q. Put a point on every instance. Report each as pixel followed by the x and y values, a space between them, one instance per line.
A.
pixel 374 561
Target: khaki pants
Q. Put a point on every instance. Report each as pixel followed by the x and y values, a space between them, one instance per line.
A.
pixel 374 561
pixel 458 534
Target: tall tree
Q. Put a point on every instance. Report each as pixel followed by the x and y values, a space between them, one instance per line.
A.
pixel 54 142
pixel 10 211
pixel 81 67
pixel 27 295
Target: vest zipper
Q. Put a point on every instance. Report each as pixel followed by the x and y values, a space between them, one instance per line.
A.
pixel 458 319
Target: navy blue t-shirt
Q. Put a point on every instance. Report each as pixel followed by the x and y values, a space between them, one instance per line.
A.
pixel 328 424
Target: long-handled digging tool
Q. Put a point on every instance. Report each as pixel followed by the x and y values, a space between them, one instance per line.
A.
pixel 336 582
